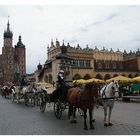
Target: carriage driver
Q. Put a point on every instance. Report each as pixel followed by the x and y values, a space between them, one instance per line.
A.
pixel 60 77
pixel 23 82
pixel 61 83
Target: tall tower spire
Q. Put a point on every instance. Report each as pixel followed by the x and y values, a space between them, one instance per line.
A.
pixel 8 33
pixel 8 25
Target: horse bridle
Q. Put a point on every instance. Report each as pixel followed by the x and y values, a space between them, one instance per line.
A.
pixel 107 98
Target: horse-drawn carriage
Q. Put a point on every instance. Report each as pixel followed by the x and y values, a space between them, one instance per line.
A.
pixel 25 93
pixel 6 91
pixel 83 99
pixel 69 97
pixel 57 96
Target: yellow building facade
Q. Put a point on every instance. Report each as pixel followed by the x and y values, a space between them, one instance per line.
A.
pixel 78 62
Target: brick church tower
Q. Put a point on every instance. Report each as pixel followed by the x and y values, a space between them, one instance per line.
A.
pixel 20 59
pixel 13 59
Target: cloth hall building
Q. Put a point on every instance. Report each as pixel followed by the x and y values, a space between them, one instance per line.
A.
pixel 87 63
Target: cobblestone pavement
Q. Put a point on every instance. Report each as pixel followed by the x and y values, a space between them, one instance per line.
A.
pixel 18 119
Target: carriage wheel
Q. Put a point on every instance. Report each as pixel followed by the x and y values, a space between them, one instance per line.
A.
pixel 42 105
pixel 58 109
pixel 26 100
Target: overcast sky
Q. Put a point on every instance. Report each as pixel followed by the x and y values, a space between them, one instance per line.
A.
pixel 109 26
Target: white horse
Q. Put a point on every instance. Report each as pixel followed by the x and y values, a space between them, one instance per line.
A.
pixel 15 92
pixel 108 94
pixel 22 93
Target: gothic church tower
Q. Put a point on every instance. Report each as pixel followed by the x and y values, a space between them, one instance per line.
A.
pixel 13 59
pixel 20 57
pixel 8 55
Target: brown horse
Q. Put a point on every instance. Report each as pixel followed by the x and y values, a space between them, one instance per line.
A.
pixel 83 99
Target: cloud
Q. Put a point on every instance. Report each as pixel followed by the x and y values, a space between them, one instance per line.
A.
pixel 88 26
pixel 109 26
pixel 40 8
pixel 110 17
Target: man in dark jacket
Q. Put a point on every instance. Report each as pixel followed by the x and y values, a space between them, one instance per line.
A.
pixel 23 82
pixel 61 85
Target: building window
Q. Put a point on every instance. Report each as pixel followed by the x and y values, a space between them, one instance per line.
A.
pixel 88 63
pixel 114 65
pixel 107 65
pixel 99 65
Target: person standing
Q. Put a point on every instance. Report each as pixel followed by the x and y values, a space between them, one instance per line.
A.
pixel 61 85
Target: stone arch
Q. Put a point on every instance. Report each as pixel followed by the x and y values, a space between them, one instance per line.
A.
pixel 46 78
pixel 87 76
pixel 130 75
pixel 50 78
pixel 136 75
pixel 107 76
pixel 39 79
pixel 123 75
pixel 77 76
pixel 115 75
pixel 99 76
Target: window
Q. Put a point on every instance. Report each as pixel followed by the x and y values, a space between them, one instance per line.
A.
pixel 99 65
pixel 114 65
pixel 87 63
pixel 107 65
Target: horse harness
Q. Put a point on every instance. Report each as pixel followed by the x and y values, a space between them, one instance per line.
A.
pixel 104 97
pixel 81 97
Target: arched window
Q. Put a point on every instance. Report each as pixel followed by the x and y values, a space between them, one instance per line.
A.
pixel 136 75
pixel 115 75
pixel 107 76
pixel 99 76
pixel 130 76
pixel 46 79
pixel 77 76
pixel 87 76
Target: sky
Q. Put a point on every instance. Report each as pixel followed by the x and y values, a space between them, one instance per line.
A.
pixel 111 26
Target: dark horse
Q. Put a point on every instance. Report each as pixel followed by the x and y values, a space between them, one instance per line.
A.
pixel 83 99
pixel 60 93
pixel 7 91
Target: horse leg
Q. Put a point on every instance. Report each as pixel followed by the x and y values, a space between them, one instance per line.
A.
pixel 26 100
pixel 93 119
pixel 109 117
pixel 35 100
pixel 13 96
pixel 85 122
pixel 18 98
pixel 74 115
pixel 90 119
pixel 105 115
pixel 5 94
pixel 32 100
pixel 70 111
